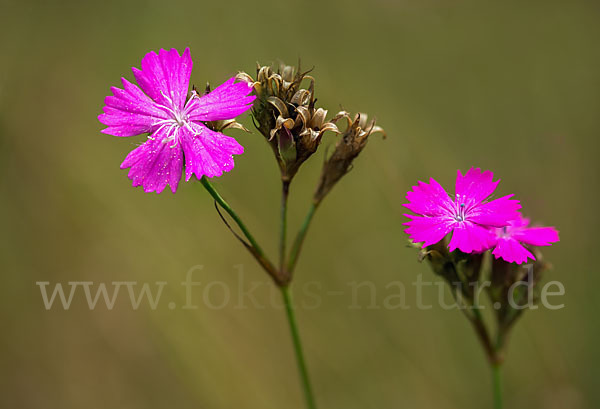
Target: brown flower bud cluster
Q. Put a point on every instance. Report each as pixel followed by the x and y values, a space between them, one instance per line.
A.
pixel 286 114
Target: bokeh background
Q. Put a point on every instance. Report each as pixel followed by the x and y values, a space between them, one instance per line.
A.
pixel 510 86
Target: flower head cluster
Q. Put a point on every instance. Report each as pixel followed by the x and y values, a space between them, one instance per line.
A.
pixel 285 113
pixel 175 122
pixel 476 223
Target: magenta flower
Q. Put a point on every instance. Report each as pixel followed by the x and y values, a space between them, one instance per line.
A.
pixel 178 136
pixel 469 216
pixel 509 240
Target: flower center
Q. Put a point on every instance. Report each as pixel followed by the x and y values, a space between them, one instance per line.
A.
pixel 461 215
pixel 179 118
pixel 503 232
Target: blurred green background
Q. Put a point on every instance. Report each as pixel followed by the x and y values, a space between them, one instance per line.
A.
pixel 507 86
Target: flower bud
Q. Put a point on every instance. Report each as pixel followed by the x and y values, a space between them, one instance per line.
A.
pixel 348 147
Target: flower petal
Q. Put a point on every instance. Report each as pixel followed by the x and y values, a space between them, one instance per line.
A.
pixel 474 186
pixel 520 222
pixel 469 237
pixel 165 76
pixel 428 199
pixel 177 70
pixel 207 152
pixel 427 230
pixel 537 236
pixel 497 213
pixel 227 101
pixel 512 251
pixel 129 111
pixel 155 164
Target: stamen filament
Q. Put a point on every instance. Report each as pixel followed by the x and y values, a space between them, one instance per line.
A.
pixel 179 119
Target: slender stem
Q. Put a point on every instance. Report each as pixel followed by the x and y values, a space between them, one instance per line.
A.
pixel 255 248
pixel 493 351
pixel 213 192
pixel 302 371
pixel 297 246
pixel 474 316
pixel 285 190
pixel 497 385
pixel 483 335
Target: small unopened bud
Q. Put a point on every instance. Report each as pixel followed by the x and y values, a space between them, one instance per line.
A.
pixel 348 147
pixel 287 146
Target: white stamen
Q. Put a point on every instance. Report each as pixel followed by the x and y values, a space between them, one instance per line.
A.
pixel 461 215
pixel 179 118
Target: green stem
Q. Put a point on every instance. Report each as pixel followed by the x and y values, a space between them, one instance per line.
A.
pixel 285 190
pixel 493 351
pixel 213 192
pixel 474 316
pixel 254 248
pixel 302 371
pixel 297 246
pixel 483 335
pixel 497 385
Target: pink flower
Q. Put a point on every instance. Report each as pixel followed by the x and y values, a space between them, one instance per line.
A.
pixel 162 109
pixel 469 216
pixel 508 240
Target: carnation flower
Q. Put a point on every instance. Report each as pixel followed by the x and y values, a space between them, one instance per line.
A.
pixel 174 121
pixel 469 216
pixel 509 240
